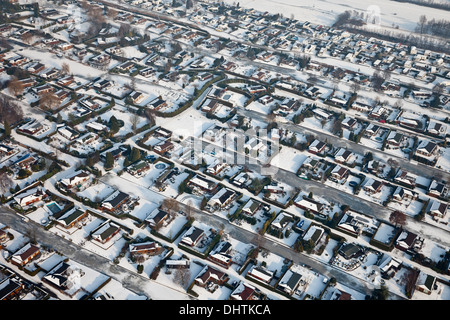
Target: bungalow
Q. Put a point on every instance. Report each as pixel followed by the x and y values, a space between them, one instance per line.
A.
pixel 50 74
pixel 163 147
pixel 126 66
pixel 202 183
pixel 251 207
pixel 437 189
pixel 209 274
pixel 371 130
pixel 405 241
pixel 378 112
pixel 162 132
pixel 339 174
pixel 289 104
pixel 313 233
pixel 316 147
pixel 178 264
pixel 290 282
pixel 343 156
pixel 221 254
pixel 282 221
pixel 437 208
pixel 222 198
pixel 401 193
pixel 373 186
pixel 349 123
pixel 425 283
pixel 193 236
pixel 115 201
pixel 157 104
pixel 148 248
pixel 394 139
pixel 436 129
pixel 138 168
pixel 36 68
pixel 25 254
pixel 427 148
pixel 9 288
pixel 105 232
pixel 71 218
pixel 136 97
pixel 77 179
pixel 30 196
pixel 66 81
pixel 261 274
pixel 244 292
pixel 406 179
pixel 156 218
pixel 310 205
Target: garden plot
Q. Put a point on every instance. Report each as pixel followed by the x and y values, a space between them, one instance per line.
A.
pixel 289 159
pixel 97 192
pixel 274 264
pixel 173 225
pixel 256 222
pixel 122 113
pixel 179 279
pixel 311 284
pixel 408 206
pixel 433 251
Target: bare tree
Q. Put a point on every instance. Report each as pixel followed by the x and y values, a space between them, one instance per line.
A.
pixel 134 120
pixel 15 87
pixel 5 182
pixel 171 205
pixel 182 276
pixel 397 218
pixel 48 100
pixel 65 68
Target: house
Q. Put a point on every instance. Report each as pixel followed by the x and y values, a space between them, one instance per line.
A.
pixel 30 196
pixel 310 205
pixel 139 168
pixel 77 179
pixel 126 66
pixel 10 288
pixel 394 139
pixel 373 186
pixel 163 147
pixel 68 133
pixel 425 283
pixel 427 148
pixel 244 292
pixel 316 147
pixel 339 174
pixel 437 208
pixel 210 274
pixel 350 250
pixel 406 241
pixel 157 104
pixel 401 194
pixel 261 274
pixel 24 255
pixel 148 248
pixel 371 130
pixel 105 232
pixel 289 104
pixel 136 97
pixel 251 207
pixel 406 179
pixel 221 254
pixel 436 129
pixel 222 198
pixel 178 264
pixel 290 282
pixel 193 236
pixel 378 112
pixel 202 183
pixel 349 123
pixel 343 156
pixel 71 218
pixel 313 233
pixel 156 218
pixel 162 132
pixel 115 201
pixel 437 189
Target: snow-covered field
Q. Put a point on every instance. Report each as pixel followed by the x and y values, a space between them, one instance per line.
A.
pixel 386 13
